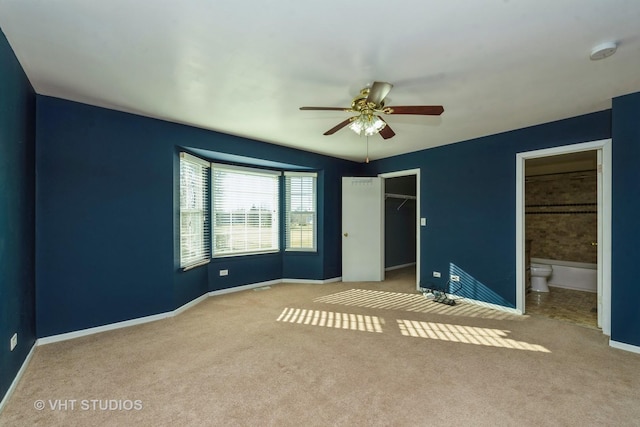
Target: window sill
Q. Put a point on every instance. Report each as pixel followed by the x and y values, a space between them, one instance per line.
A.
pixel 270 252
pixel 301 251
pixel 197 264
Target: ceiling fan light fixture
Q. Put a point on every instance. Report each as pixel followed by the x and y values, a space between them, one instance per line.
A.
pixel 367 124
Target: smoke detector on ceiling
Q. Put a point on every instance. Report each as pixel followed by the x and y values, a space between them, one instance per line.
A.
pixel 603 50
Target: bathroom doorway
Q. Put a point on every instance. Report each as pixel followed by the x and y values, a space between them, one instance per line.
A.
pixel 561 235
pixel 550 161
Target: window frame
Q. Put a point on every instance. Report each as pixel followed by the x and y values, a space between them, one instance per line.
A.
pixel 288 212
pixel 204 246
pixel 276 222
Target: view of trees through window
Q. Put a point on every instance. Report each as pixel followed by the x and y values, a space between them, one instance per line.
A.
pixel 301 211
pixel 245 211
pixel 234 210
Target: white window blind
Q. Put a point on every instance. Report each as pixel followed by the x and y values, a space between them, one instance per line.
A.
pixel 301 217
pixel 194 211
pixel 245 210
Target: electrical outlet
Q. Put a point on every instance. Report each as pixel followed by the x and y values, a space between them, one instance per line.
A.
pixel 455 278
pixel 14 341
pixel 436 274
pixel 224 272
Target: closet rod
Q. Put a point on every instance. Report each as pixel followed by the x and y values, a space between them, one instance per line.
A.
pixel 400 196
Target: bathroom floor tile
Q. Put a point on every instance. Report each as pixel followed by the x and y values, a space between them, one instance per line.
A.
pixel 577 307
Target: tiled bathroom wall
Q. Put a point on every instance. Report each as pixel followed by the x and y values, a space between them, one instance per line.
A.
pixel 561 216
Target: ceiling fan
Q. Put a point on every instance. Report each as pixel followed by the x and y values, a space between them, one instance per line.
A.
pixel 369 105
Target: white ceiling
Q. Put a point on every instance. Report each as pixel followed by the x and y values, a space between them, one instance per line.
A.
pixel 244 67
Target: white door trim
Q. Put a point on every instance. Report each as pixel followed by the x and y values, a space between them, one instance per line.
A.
pixel 409 172
pixel 604 247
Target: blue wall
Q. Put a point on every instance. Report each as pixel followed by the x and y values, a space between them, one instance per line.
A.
pixel 101 233
pixel 104 194
pixel 107 193
pixel 468 197
pixel 17 214
pixel 625 233
pixel 107 208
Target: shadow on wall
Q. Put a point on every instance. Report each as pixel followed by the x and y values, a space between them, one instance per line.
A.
pixel 472 288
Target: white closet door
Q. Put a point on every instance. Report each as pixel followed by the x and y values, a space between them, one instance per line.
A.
pixel 362 229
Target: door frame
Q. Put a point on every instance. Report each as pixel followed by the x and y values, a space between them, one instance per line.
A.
pixel 407 172
pixel 604 222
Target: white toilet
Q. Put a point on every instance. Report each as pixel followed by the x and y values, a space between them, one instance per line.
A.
pixel 539 275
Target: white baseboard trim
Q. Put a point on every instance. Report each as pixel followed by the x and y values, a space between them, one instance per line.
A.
pixel 16 380
pixel 398 267
pixel 188 305
pixel 312 281
pixel 103 328
pixel 244 287
pixel 333 280
pixel 623 346
pixel 493 306
pixel 155 317
pixel 181 309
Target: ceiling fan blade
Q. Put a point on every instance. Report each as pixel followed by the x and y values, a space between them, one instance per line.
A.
pixel 326 108
pixel 386 131
pixel 425 110
pixel 378 91
pixel 339 126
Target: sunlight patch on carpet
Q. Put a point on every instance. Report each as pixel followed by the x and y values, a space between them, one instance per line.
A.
pixel 465 334
pixel 330 319
pixel 409 302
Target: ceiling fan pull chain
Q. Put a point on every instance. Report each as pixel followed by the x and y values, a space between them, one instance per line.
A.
pixel 367 159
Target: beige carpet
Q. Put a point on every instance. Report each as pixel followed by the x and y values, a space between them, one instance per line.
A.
pixel 335 354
